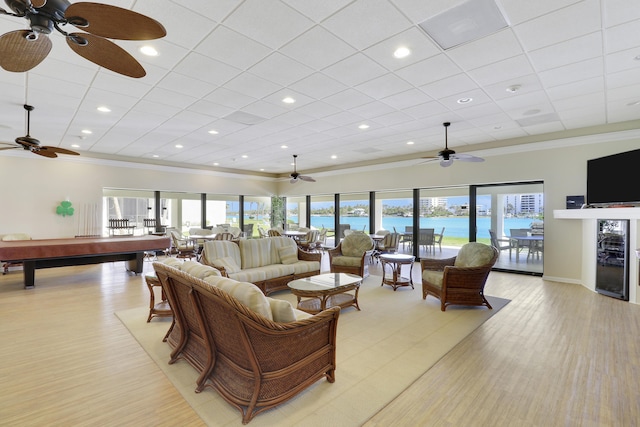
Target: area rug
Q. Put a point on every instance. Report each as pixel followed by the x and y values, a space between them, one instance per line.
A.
pixel 381 350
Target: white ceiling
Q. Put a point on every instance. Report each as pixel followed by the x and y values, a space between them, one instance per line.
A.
pixel 577 64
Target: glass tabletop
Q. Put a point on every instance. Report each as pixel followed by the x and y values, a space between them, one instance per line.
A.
pixel 325 281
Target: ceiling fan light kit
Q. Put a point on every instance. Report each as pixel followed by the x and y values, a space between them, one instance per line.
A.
pixel 22 50
pixel 447 156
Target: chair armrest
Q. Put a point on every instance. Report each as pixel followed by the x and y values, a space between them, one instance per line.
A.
pixel 309 256
pixel 436 264
pixel 465 277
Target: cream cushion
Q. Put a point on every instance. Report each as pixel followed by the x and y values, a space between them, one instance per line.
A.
pixel 356 244
pixel 15 236
pixel 172 262
pixel 199 270
pixel 474 254
pixel 247 293
pixel 255 253
pixel 288 254
pixel 281 310
pixel 228 263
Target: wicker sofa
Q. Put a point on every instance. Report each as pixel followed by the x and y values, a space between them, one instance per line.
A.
pixel 269 263
pixel 256 352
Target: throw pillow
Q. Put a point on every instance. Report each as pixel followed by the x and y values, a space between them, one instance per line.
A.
pixel 281 310
pixel 228 263
pixel 288 254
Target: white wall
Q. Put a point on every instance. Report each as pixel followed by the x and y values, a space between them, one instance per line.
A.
pixel 32 187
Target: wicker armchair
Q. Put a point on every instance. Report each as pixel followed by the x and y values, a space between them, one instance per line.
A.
pixel 350 255
pixel 459 280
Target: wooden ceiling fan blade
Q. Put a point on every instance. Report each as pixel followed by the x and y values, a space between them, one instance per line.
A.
pixel 8 148
pixel 19 53
pixel 59 150
pixel 106 54
pixel 44 153
pixel 114 22
pixel 38 3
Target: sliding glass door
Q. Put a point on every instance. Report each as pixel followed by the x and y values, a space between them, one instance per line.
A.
pixel 511 217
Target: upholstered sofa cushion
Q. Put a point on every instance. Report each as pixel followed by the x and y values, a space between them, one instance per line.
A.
pixel 247 293
pixel 255 253
pixel 216 249
pixel 474 254
pixel 356 244
pixel 199 270
pixel 433 277
pixel 228 263
pixel 288 254
pixel 302 267
pixel 172 262
pixel 278 242
pixel 253 275
pixel 282 311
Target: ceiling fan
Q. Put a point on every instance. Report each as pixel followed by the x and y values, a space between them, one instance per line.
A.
pixel 447 156
pixel 22 50
pixel 31 144
pixel 295 176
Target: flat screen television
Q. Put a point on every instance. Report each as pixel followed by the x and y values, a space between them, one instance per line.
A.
pixel 614 179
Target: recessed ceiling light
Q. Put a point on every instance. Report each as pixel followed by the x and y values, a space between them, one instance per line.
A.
pixel 155 156
pixel 334 156
pixel 410 142
pixel 363 126
pixel 104 109
pixel 284 146
pixel 288 100
pixel 244 156
pixel 262 170
pixel 75 146
pixel 216 164
pixel 464 100
pixel 149 51
pixel 86 131
pixel 213 132
pixel 402 52
pixel 513 89
pixel 179 146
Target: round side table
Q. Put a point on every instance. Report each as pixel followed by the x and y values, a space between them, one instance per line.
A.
pixel 395 263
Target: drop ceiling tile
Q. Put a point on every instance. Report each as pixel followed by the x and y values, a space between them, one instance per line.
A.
pixel 169 54
pixel 384 86
pixel 317 10
pixel 229 98
pixel 295 118
pixel 429 70
pixel 373 109
pixel 349 98
pixel 206 69
pixel 354 70
pixel 210 109
pixel 487 50
pixel 272 23
pixel 516 86
pixel 622 78
pixel 624 93
pixel 583 117
pixel 426 110
pixel 366 22
pixel 277 97
pixel 264 109
pixel 571 90
pixel 169 97
pixel 318 109
pixel 623 60
pixel 318 86
pixel 252 85
pixel 187 27
pixel 623 37
pixel 421 47
pixel 215 10
pixel 394 118
pixel 508 69
pixel 573 72
pixel 573 21
pixel 457 84
pixel 518 11
pixel 280 69
pixel 343 118
pixel 406 99
pixel 317 48
pixel 574 50
pixel 232 48
pixel 620 11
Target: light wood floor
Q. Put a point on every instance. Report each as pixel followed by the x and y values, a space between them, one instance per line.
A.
pixel 558 354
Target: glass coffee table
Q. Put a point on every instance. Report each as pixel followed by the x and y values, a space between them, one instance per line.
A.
pixel 326 290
